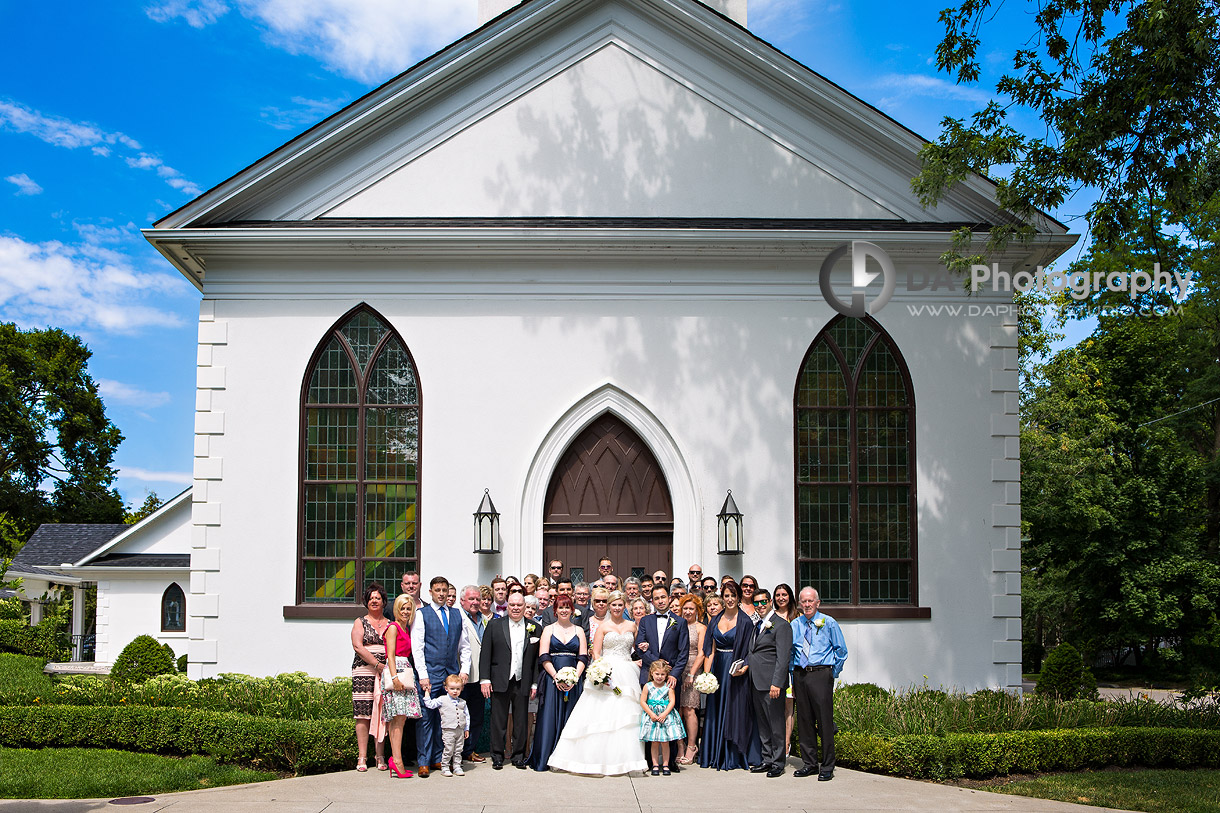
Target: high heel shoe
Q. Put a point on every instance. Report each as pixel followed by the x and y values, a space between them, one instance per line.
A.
pixel 381 764
pixel 362 764
pixel 395 772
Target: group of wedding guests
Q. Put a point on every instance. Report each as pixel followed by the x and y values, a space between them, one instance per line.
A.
pixel 576 676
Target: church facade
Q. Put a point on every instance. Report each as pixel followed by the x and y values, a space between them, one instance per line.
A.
pixel 573 261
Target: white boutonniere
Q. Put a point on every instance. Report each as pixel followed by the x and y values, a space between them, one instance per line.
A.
pixel 768 625
pixel 819 623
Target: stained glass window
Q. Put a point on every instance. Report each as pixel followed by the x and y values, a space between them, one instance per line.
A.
pixel 360 455
pixel 855 497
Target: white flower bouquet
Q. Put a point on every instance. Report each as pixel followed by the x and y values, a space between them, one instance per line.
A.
pixel 566 677
pixel 706 683
pixel 599 673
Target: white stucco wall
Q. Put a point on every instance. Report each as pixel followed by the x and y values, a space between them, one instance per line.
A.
pixel 497 373
pixel 129 606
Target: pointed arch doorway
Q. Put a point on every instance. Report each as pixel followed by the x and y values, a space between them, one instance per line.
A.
pixel 608 497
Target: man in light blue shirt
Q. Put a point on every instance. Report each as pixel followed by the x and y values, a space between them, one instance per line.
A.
pixel 818 655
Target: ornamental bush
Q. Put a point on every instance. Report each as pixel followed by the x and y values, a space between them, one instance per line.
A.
pixel 1065 677
pixel 46 640
pixel 142 659
pixel 862 691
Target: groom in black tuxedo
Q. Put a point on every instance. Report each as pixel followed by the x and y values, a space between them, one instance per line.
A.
pixel 507 670
pixel 663 636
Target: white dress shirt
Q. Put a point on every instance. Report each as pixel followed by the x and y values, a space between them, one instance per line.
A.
pixel 516 635
pixel 418 635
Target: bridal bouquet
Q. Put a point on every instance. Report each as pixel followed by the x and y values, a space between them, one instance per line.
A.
pixel 599 673
pixel 706 683
pixel 566 677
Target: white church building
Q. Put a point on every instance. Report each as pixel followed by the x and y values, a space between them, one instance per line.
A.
pixel 573 259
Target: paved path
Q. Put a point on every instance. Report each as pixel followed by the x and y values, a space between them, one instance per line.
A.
pixel 483 790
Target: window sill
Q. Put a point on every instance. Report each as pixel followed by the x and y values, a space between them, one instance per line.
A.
pixel 874 612
pixel 342 612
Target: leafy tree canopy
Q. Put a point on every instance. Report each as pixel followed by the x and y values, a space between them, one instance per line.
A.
pixel 56 443
pixel 1128 91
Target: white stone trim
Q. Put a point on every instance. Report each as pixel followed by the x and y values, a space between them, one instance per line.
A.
pixel 1006 511
pixel 688 507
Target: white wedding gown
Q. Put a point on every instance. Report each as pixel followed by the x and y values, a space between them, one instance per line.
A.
pixel 602 736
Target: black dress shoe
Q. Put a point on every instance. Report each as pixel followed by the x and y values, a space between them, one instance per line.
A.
pixel 760 768
pixel 804 771
pixel 498 764
pixel 826 777
pixel 519 764
pixel 776 770
pixel 675 769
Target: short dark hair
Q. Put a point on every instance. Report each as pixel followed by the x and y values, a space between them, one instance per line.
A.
pixel 564 580
pixel 498 580
pixel 762 591
pixel 438 580
pixel 661 587
pixel 604 559
pixel 375 587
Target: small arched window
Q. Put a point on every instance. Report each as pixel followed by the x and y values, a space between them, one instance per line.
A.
pixel 173 609
pixel 360 432
pixel 855 468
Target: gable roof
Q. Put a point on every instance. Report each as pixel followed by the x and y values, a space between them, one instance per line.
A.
pixel 552 111
pixel 180 501
pixel 55 544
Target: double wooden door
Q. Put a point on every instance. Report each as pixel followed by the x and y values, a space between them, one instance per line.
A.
pixel 608 497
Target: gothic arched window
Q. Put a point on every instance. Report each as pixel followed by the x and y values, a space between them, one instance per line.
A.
pixel 173 609
pixel 855 468
pixel 360 431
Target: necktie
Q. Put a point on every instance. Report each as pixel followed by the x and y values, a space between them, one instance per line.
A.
pixel 758 627
pixel 809 633
pixel 445 621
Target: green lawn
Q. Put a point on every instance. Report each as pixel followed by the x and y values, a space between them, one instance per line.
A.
pixel 91 773
pixel 1154 791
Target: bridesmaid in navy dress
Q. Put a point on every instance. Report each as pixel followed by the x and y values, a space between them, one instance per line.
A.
pixel 730 735
pixel 563 644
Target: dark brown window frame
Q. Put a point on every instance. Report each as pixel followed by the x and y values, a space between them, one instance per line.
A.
pixel 349 609
pixel 856 610
pixel 182 610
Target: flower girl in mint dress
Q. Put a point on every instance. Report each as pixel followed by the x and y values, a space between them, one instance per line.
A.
pixel 659 722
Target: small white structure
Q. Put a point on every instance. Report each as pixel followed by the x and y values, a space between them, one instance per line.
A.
pixel 573 259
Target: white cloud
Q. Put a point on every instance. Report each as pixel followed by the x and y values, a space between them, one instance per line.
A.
pixel 306 112
pixel 79 287
pixel 902 86
pixel 782 20
pixel 25 184
pixel 150 476
pixel 368 40
pixel 195 13
pixel 61 132
pixel 119 393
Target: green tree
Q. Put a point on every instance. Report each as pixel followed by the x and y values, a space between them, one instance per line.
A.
pixel 1126 91
pixel 56 443
pixel 151 503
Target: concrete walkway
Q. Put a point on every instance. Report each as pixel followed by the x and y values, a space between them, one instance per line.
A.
pixel 483 790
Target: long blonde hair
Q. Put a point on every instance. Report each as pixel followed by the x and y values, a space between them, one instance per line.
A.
pixel 410 603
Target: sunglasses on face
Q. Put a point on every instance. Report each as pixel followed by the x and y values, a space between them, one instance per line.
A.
pixel 599 601
pixel 762 601
pixel 694 572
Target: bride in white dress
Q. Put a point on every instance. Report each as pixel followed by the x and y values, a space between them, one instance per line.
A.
pixel 602 736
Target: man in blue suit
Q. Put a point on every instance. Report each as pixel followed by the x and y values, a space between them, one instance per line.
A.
pixel 663 636
pixel 441 648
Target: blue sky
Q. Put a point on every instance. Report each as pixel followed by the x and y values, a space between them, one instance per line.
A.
pixel 113 114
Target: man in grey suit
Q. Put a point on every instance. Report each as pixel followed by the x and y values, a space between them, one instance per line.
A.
pixel 767 664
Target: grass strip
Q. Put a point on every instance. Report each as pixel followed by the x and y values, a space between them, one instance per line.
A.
pixel 95 773
pixel 1168 791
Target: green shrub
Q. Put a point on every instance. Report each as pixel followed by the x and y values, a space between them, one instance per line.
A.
pixel 311 746
pixel 864 691
pixel 46 640
pixel 11 610
pixel 1065 677
pixel 182 663
pixel 985 755
pixel 22 680
pixel 173 659
pixel 142 659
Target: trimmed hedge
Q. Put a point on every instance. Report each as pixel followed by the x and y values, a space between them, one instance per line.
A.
pixel 983 755
pixel 42 641
pixel 300 747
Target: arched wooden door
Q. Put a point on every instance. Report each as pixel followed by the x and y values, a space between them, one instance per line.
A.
pixel 608 497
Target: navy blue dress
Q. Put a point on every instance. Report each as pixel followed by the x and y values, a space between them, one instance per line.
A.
pixel 730 734
pixel 553 709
